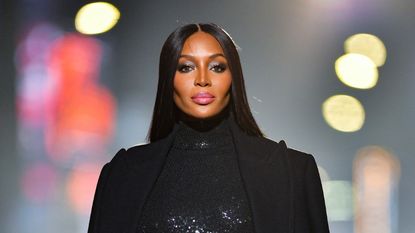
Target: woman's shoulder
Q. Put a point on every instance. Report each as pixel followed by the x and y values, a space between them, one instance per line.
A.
pixel 282 144
pixel 126 151
pixel 294 154
pixel 144 151
pixel 300 160
pixel 138 152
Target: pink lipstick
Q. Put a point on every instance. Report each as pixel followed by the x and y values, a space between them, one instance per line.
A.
pixel 203 98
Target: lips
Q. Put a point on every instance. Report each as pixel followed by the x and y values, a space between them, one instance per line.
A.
pixel 203 98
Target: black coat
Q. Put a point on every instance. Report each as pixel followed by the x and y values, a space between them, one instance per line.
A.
pixel 282 184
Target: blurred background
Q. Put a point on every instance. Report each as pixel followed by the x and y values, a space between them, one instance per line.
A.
pixel 333 78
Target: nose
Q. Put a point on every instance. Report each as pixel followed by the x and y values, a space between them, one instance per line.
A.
pixel 202 78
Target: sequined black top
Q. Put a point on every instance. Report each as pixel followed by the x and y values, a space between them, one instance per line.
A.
pixel 199 189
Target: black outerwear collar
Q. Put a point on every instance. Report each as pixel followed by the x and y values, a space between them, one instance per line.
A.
pixel 264 171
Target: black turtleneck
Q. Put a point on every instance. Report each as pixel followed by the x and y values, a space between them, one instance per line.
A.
pixel 199 189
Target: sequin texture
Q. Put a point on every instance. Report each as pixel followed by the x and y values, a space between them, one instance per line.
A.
pixel 199 189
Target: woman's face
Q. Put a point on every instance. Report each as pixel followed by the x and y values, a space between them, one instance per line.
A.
pixel 202 81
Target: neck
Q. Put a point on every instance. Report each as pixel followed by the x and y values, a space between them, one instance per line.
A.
pixel 203 124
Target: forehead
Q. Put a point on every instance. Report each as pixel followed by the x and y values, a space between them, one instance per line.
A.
pixel 201 44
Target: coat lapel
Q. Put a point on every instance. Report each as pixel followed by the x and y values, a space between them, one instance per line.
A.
pixel 263 171
pixel 144 166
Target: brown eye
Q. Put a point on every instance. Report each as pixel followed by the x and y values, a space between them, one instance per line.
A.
pixel 184 68
pixel 219 68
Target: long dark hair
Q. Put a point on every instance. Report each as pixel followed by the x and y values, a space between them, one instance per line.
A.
pixel 165 110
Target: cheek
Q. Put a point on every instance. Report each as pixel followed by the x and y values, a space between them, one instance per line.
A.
pixel 225 85
pixel 178 85
pixel 182 88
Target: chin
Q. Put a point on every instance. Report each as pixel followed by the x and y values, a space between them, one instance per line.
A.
pixel 202 115
pixel 201 111
pixel 205 114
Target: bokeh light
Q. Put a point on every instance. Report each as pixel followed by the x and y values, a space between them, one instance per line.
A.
pixel 356 70
pixel 34 86
pixel 81 113
pixel 81 186
pixel 96 18
pixel 324 175
pixel 343 113
pixel 338 195
pixel 376 173
pixel 368 45
pixel 39 182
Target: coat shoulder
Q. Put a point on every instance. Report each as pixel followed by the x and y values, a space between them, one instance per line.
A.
pixel 125 154
pixel 145 151
pixel 139 153
pixel 297 154
pixel 295 157
pixel 292 153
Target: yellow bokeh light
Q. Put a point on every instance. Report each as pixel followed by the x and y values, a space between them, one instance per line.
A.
pixel 97 17
pixel 356 70
pixel 343 113
pixel 368 45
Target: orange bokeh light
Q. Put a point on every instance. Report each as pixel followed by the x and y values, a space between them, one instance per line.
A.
pixel 81 111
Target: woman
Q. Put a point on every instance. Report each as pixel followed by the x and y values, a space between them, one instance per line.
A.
pixel 208 167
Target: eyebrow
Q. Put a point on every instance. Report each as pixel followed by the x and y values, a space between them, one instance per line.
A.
pixel 211 56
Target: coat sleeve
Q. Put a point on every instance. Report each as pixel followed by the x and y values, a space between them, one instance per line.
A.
pixel 315 198
pixel 100 188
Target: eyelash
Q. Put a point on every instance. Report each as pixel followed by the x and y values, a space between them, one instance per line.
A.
pixel 181 67
pixel 221 66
